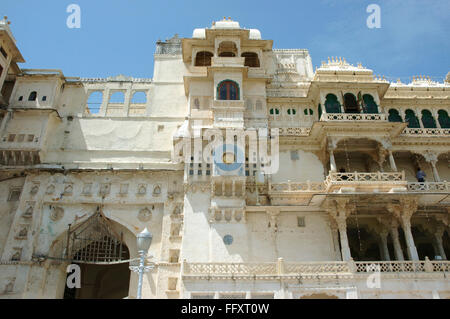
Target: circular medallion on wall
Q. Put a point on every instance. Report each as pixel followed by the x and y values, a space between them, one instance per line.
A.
pixel 228 239
pixel 56 213
pixel 144 215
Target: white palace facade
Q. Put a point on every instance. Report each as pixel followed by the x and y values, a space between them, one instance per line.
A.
pixel 87 163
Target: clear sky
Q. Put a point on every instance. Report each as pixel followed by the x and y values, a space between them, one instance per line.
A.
pixel 118 36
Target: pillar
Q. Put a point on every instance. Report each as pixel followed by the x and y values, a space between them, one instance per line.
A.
pixel 392 161
pixel 406 225
pixel 435 172
pixel 384 245
pixel 345 248
pixel 396 241
pixel 337 248
pixel 438 239
pixel 332 162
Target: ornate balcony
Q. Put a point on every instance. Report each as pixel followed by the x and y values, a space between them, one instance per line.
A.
pixel 426 132
pixel 294 193
pixel 364 182
pixel 343 117
pixel 441 187
pixel 331 269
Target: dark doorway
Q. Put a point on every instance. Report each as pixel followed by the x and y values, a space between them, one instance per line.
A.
pixel 350 103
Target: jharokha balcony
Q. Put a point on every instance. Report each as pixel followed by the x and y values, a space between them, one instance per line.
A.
pixel 314 270
pixel 366 181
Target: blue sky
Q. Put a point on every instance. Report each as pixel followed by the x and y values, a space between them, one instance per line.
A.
pixel 118 36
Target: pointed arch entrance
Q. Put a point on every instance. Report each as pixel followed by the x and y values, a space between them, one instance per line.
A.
pixel 102 256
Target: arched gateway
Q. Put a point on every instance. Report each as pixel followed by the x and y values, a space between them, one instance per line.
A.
pixel 103 259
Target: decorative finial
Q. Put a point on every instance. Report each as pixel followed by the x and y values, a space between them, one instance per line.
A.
pixel 229 18
pixel 329 60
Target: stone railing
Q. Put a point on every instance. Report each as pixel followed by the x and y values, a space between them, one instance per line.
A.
pixel 229 105
pixel 297 187
pixel 429 187
pixel 426 131
pixel 352 117
pixel 316 269
pixel 365 177
pixel 294 131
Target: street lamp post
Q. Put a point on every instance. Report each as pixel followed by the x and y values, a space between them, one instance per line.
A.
pixel 144 239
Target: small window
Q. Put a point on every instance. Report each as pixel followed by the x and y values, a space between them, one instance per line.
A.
pixel 301 221
pixel 44 98
pixel 33 96
pixel 30 138
pixel 21 138
pixel 21 98
pixel 11 137
pixel 228 90
pixel 274 111
pixel 308 112
pixel 291 111
pixel 251 59
pixel 14 195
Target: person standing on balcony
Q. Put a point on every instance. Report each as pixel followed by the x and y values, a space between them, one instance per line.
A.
pixel 420 175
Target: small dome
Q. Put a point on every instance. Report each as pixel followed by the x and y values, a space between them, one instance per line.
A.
pixel 226 24
pixel 199 34
pixel 255 34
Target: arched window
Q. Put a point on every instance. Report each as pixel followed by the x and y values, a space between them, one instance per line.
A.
pixel 32 96
pixel 95 101
pixel 411 119
pixel 251 59
pixel 227 49
pixel 369 104
pixel 291 111
pixel 443 119
pixel 308 112
pixel 394 116
pixel 332 104
pixel 428 119
pixel 117 98
pixel 228 90
pixel 350 103
pixel 274 111
pixel 139 97
pixel 203 58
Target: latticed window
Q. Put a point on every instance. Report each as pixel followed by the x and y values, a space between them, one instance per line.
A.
pixel 394 116
pixel 443 119
pixel 95 241
pixel 228 90
pixel 411 119
pixel 369 104
pixel 332 104
pixel 428 119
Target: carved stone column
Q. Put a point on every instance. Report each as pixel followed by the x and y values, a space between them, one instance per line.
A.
pixel 392 161
pixel 396 241
pixel 404 212
pixel 432 159
pixel 335 234
pixel 438 238
pixel 384 245
pixel 331 147
pixel 339 213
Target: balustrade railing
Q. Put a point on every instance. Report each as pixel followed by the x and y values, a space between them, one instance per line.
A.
pixel 353 117
pixel 429 187
pixel 365 177
pixel 297 187
pixel 426 131
pixel 313 268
